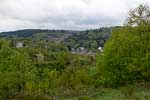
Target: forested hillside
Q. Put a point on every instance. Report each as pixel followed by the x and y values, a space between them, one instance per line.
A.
pixel 30 32
pixel 89 39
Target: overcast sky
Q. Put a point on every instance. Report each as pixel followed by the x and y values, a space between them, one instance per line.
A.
pixel 64 14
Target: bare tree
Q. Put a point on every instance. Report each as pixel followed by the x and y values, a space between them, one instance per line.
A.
pixel 139 16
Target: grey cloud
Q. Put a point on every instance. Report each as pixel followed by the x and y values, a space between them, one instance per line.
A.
pixel 63 14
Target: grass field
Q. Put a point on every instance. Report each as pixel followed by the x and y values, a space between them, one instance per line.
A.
pixel 123 93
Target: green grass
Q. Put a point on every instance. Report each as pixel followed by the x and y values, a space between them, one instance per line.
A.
pixel 123 93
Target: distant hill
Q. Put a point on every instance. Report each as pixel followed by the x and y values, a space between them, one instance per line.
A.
pixel 90 39
pixel 30 32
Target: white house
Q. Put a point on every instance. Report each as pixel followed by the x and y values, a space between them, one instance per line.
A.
pixel 100 49
pixel 19 45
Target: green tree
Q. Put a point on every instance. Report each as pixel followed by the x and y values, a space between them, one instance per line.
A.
pixel 126 56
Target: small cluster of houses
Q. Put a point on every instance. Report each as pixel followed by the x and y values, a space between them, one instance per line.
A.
pixel 19 44
pixel 82 50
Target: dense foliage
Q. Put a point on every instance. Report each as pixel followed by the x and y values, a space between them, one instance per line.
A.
pixel 36 72
pixel 127 53
pixel 126 56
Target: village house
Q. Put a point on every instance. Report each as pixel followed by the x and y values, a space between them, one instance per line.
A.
pixel 100 49
pixel 19 45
